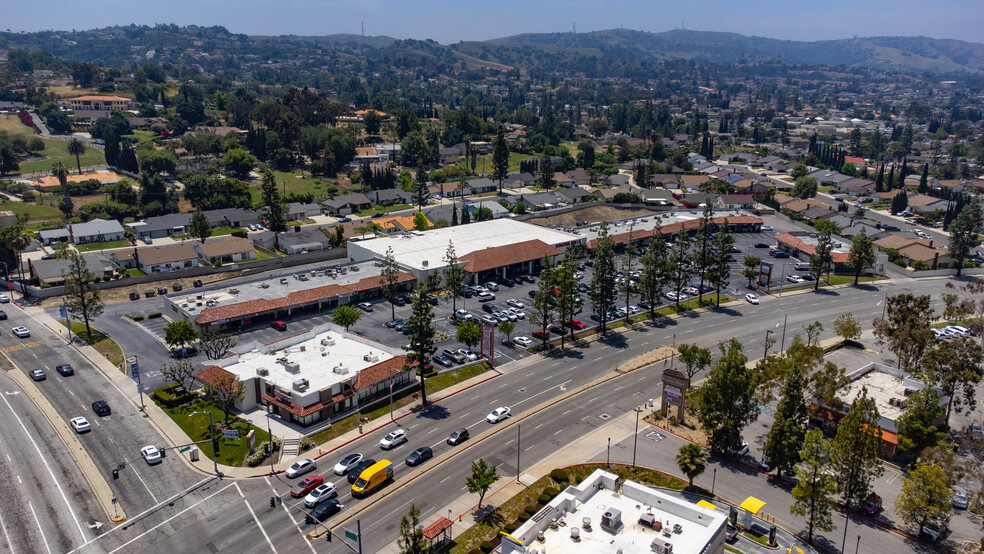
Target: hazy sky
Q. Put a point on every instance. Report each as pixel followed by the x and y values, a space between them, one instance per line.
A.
pixel 451 21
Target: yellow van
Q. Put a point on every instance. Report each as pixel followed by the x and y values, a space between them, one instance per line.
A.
pixel 372 478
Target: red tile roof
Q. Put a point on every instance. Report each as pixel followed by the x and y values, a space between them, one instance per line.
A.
pixel 211 373
pixel 302 411
pixel 500 256
pixel 674 227
pixel 810 249
pixel 292 300
pixel 380 372
pixel 434 529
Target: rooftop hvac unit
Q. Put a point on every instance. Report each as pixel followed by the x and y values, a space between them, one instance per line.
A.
pixel 891 401
pixel 262 371
pixel 328 341
pixel 292 367
pixel 303 348
pixel 611 520
pixel 301 385
pixel 662 546
pixel 340 369
pixel 902 403
pixel 370 357
pixel 908 392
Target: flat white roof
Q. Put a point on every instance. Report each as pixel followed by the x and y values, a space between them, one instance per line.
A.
pixel 691 528
pixel 425 250
pixel 320 355
pixel 647 223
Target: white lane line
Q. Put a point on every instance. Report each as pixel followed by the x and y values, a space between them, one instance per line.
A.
pixel 41 529
pixel 168 500
pixel 548 377
pixel 168 520
pixel 256 519
pixel 555 364
pixel 599 358
pixel 538 426
pixel 528 398
pixel 476 397
pixel 504 385
pixel 10 545
pixel 618 388
pixel 508 443
pixel 44 460
pixel 567 412
pixel 559 431
pixel 432 430
pixel 130 465
pixel 528 448
pixel 291 516
pixel 386 517
pixel 446 478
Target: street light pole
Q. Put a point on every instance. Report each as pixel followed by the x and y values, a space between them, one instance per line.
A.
pixel 858 547
pixel 847 519
pixel 767 332
pixel 714 480
pixel 519 438
pixel 608 459
pixel 635 437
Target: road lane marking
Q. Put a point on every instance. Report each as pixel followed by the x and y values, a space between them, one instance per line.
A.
pixel 130 465
pixel 446 478
pixel 256 519
pixel 10 545
pixel 538 426
pixel 528 448
pixel 559 431
pixel 41 529
pixel 44 460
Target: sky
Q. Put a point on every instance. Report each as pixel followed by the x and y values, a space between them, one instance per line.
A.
pixel 452 21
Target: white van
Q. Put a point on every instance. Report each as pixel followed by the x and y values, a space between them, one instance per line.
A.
pixel 803 266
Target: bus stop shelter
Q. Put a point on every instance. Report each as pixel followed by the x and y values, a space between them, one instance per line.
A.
pixel 439 532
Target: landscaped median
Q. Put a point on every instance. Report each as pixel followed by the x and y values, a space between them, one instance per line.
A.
pixel 103 344
pixel 508 516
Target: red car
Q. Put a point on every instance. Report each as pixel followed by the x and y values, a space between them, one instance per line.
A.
pixel 575 323
pixel 306 485
pixel 541 335
pixel 278 325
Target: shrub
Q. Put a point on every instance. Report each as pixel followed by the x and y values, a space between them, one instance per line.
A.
pixel 138 318
pixel 486 547
pixel 171 396
pixel 509 528
pixel 154 315
pixel 560 476
pixel 306 443
pixel 551 492
pixel 543 498
pixel 241 234
pixel 530 510
pixel 523 516
pixel 900 262
pixel 474 551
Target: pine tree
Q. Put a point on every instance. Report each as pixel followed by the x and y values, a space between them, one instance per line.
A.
pixel 891 179
pixel 727 401
pixel 602 291
pixel 855 452
pixel 879 180
pixel 422 334
pixel 788 428
pixel 924 180
pixel 900 202
pixel 815 487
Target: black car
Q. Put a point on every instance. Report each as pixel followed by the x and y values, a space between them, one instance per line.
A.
pixel 405 298
pixel 582 287
pixel 761 245
pixel 490 308
pixel 353 475
pixel 589 263
pixel 38 375
pixel 467 292
pixel 3 314
pixel 399 301
pixel 433 299
pixel 529 278
pixel 458 437
pixel 533 293
pixel 345 219
pixel 323 511
pixel 420 456
pixel 506 282
pixel 65 369
pixel 184 352
pixel 101 408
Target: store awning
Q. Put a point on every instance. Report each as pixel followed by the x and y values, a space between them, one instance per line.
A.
pixel 752 505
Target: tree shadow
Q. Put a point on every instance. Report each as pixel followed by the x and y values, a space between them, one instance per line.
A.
pixel 726 310
pixel 866 287
pixel 827 292
pixel 490 516
pixel 434 412
pixel 614 340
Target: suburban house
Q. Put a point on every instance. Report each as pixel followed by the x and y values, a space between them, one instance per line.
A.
pixel 299 242
pixel 156 259
pixel 517 179
pixel 52 272
pixel 97 230
pixel 563 180
pixel 804 247
pixel 916 249
pixel 232 217
pixel 161 226
pixel 825 177
pixel 389 196
pixel 659 197
pixel 94 107
pixel 49 237
pixel 226 250
pixel 573 195
pixel 857 187
pixel 451 154
pixel 925 203
pixel 299 211
pixel 495 207
pixel 735 201
pixel 347 204
pixel 482 185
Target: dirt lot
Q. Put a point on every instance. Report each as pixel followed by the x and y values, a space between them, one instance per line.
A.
pixel 593 214
pixel 122 294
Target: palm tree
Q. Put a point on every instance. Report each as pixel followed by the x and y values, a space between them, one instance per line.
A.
pixel 76 148
pixel 17 238
pixel 692 461
pixel 60 172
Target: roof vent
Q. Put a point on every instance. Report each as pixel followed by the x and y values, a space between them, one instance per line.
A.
pixel 292 367
pixel 425 263
pixel 262 371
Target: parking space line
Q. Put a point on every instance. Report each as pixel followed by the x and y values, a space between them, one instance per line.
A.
pixel 256 519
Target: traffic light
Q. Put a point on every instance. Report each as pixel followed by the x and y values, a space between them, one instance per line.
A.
pixel 116 474
pixel 329 535
pixel 273 501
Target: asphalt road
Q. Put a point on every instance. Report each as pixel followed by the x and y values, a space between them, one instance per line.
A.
pixel 48 505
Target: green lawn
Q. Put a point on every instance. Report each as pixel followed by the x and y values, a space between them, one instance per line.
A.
pixel 102 245
pixel 315 186
pixel 231 452
pixel 217 232
pixel 34 212
pixel 57 151
pixel 484 163
pixel 434 384
pixel 103 344
pixel 135 273
pixel 385 210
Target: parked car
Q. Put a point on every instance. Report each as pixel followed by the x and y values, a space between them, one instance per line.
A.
pixel 741 451
pixel 320 494
pixel 752 298
pixel 518 313
pixel 306 485
pixel 3 314
pixel 442 359
pixel 65 369
pixel 101 408
pixel 525 342
pixel 761 245
pixel 468 354
pixel 38 374
pixel 491 320
pixel 515 303
pixel 492 286
pixel 576 324
pixel 364 306
pixel 323 511
pixel 795 279
pixel 346 464
pixel 151 454
pixel 278 325
pixel 419 456
pixel 184 352
pixel 393 439
pixel 498 414
pixel 393 323
pixel 540 335
pixel 301 467
pixel 81 425
pixel 458 436
pixel 4 298
pixel 485 296
pixel 455 355
pixel 960 498
pixel 872 504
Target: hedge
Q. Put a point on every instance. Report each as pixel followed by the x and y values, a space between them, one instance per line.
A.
pixel 486 547
pixel 165 397
pixel 154 315
pixel 560 476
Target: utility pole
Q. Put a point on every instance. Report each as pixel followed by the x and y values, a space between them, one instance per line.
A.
pixel 635 437
pixel 519 439
pixel 767 332
pixel 782 344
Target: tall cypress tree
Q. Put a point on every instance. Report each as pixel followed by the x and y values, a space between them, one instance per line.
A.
pixel 784 439
pixel 890 184
pixel 879 180
pixel 924 180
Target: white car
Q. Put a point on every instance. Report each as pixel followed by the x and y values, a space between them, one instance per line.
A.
pixel 795 279
pixel 960 498
pixel 525 342
pixel 21 332
pixel 467 353
pixel 498 414
pixel 515 303
pixel 80 424
pixel 151 454
pixel 319 495
pixel 752 298
pixel 520 314
pixel 346 464
pixel 4 298
pixel 395 438
pixel 300 468
pixel 741 451
pixel 960 331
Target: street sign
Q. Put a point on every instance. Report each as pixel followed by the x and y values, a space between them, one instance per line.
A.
pixel 183 449
pixel 351 536
pixel 230 434
pixel 62 312
pixel 134 369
